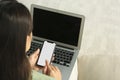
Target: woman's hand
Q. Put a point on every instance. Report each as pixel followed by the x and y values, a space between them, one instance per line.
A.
pixel 33 58
pixel 52 71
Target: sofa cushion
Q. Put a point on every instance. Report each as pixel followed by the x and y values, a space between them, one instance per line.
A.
pixel 99 67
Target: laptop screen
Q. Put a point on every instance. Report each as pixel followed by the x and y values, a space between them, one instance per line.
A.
pixel 56 26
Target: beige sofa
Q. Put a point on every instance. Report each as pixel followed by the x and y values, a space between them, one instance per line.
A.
pixel 99 67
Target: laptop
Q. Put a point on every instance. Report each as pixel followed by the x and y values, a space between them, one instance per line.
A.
pixel 60 27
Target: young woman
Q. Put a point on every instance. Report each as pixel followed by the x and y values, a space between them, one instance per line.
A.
pixel 15 40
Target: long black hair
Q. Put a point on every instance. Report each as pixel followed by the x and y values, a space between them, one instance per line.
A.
pixel 15 25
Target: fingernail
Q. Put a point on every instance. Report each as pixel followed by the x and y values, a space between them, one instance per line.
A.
pixel 38 49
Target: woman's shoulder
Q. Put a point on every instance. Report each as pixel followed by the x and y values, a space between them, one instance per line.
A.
pixel 39 76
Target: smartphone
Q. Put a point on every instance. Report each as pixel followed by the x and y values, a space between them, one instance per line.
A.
pixel 46 53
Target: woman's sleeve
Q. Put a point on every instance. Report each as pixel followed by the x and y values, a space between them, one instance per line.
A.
pixel 39 76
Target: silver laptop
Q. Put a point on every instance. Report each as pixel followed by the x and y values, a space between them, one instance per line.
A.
pixel 63 28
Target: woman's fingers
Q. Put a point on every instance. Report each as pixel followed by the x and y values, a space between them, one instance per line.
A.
pixel 53 57
pixel 36 53
pixel 52 71
pixel 33 57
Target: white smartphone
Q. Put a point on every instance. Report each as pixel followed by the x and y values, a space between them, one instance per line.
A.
pixel 46 53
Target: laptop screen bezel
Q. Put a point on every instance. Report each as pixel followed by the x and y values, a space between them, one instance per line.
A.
pixel 61 12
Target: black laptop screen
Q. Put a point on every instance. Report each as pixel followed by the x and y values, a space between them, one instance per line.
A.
pixel 56 26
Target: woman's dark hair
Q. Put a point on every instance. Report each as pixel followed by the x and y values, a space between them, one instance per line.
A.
pixel 15 25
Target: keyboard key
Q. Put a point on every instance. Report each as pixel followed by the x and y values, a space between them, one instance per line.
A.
pixel 63 57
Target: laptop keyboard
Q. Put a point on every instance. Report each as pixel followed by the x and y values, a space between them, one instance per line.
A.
pixel 34 47
pixel 62 57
